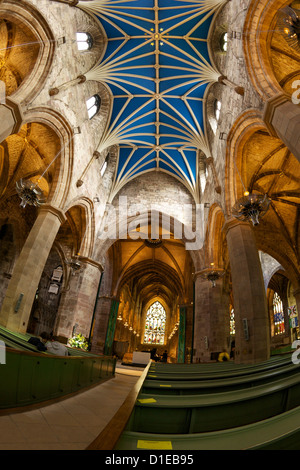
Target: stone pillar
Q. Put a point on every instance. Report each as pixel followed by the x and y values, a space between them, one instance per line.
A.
pixel 102 315
pixel 252 339
pixel 28 269
pixel 11 118
pixel 282 118
pixel 78 301
pixel 110 333
pixel 296 294
pixel 181 334
pixel 212 327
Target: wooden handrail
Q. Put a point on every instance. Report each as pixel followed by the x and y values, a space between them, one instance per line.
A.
pixel 110 435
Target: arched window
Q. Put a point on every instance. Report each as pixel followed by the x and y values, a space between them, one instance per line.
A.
pixel 278 315
pixel 224 42
pixel 103 168
pixel 93 105
pixel 203 173
pixel 84 41
pixel 217 106
pixel 155 324
pixel 232 322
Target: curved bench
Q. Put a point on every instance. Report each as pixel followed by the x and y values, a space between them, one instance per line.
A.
pixel 194 385
pixel 217 367
pixel 29 378
pixel 20 341
pixel 211 412
pixel 278 433
pixel 281 432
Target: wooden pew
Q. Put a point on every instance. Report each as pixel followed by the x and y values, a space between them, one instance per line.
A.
pixel 29 378
pixel 211 412
pixel 280 432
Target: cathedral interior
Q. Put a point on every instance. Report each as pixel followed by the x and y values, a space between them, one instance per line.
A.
pixel 150 200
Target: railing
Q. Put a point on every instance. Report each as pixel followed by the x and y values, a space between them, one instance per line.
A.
pixel 110 435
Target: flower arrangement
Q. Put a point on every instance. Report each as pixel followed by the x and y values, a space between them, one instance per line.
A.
pixel 78 341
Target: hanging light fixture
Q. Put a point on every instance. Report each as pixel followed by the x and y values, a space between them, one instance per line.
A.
pixel 30 193
pixel 251 207
pixel 289 26
pixel 212 274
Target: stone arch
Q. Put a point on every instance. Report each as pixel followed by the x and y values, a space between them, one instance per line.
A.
pixel 216 220
pixel 65 156
pixel 258 27
pixel 80 215
pixel 260 163
pixel 35 63
pixel 245 125
pixel 75 237
pixel 111 235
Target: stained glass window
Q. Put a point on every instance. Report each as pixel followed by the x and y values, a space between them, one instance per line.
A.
pixel 155 324
pixel 278 315
pixel 232 322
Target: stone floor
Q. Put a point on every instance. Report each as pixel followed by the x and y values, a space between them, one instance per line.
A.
pixel 70 424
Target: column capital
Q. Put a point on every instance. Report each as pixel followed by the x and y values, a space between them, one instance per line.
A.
pixel 296 291
pixel 232 222
pixel 92 262
pixel 16 111
pixel 55 211
pixel 269 110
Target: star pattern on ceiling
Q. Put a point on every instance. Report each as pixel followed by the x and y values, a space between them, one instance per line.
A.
pixel 158 66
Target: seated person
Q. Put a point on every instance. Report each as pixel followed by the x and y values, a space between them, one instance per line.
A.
pixel 55 347
pixel 39 341
pixel 223 356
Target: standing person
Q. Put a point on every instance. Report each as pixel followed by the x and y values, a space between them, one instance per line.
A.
pixel 164 357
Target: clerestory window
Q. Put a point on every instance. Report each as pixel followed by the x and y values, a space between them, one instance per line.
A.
pixel 218 106
pixel 84 41
pixel 224 42
pixel 93 105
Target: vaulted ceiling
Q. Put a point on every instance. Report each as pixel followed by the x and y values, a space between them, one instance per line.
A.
pixel 158 66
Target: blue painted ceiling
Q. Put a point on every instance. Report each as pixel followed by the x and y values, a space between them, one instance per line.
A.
pixel 158 67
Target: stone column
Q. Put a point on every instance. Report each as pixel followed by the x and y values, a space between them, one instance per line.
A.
pixel 212 328
pixel 110 332
pixel 28 269
pixel 252 339
pixel 11 118
pixel 102 315
pixel 181 334
pixel 282 118
pixel 78 302
pixel 296 294
pixel 202 320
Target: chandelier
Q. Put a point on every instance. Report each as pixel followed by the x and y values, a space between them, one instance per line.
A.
pixel 251 207
pixel 30 193
pixel 289 26
pixel 212 274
